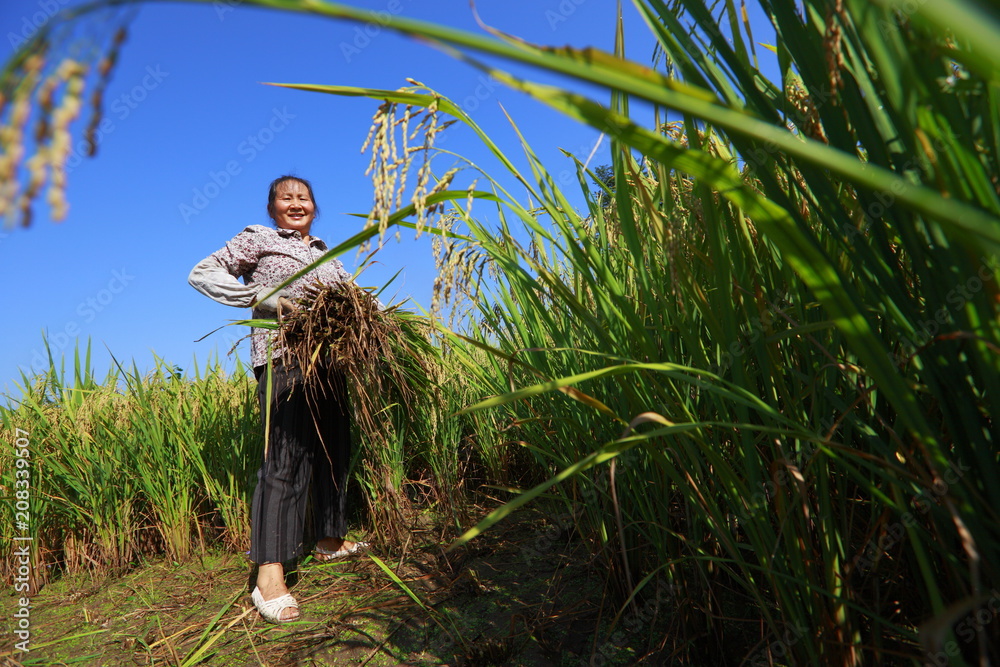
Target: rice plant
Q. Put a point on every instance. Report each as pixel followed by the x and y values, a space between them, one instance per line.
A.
pixel 761 364
pixel 143 465
pixel 135 465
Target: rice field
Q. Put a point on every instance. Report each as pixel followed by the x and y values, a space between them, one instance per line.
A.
pixel 757 373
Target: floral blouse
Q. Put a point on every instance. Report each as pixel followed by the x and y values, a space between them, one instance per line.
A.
pixel 263 257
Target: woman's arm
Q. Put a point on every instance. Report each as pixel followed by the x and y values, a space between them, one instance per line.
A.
pixel 217 276
pixel 213 279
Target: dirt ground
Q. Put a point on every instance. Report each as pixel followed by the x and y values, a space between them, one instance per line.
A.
pixel 525 593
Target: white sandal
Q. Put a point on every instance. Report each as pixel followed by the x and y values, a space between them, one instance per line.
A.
pixel 324 555
pixel 271 609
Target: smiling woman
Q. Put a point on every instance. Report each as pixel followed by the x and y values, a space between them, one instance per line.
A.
pixel 291 205
pixel 307 435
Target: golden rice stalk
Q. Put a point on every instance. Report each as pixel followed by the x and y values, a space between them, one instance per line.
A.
pixel 104 70
pixel 41 88
pixel 12 135
pixel 806 116
pixel 395 142
pixel 73 73
pixel 459 267
pixel 391 140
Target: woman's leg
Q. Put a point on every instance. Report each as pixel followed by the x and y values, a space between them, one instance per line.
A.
pixel 271 584
pixel 330 465
pixel 279 500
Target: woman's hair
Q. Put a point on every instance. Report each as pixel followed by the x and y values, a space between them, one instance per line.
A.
pixel 272 192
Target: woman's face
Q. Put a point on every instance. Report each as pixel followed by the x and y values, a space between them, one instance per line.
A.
pixel 293 208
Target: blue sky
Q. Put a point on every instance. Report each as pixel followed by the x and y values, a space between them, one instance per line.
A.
pixel 189 127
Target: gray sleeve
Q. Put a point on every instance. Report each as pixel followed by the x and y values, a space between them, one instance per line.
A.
pixel 211 278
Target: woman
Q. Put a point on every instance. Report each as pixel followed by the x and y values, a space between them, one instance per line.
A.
pixel 309 441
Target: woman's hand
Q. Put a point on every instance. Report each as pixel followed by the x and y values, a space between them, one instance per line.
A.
pixel 278 304
pixel 286 307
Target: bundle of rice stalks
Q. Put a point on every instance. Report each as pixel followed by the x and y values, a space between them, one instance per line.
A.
pixel 384 354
